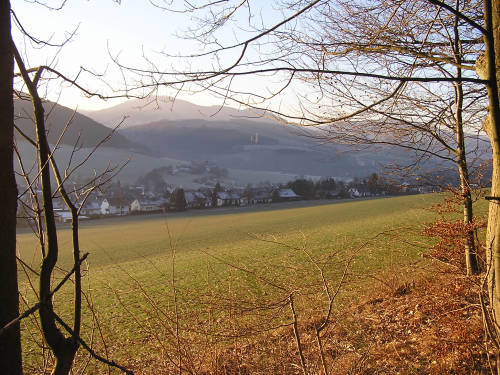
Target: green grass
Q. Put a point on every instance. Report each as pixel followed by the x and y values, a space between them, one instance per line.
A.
pixel 254 257
pixel 118 241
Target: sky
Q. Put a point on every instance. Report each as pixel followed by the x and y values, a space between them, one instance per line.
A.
pixel 104 28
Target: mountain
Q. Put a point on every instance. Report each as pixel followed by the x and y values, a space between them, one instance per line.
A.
pixel 135 165
pixel 234 140
pixel 228 137
pixel 252 145
pixel 142 111
pixel 252 150
pixel 82 129
pixel 118 150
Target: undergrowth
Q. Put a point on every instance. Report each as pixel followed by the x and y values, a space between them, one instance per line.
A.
pixel 422 318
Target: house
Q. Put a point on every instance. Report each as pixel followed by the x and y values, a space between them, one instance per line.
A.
pixel 196 199
pixel 360 191
pixel 90 208
pixel 408 188
pixel 288 195
pixel 227 199
pixel 64 216
pixel 140 205
pixel 354 192
pixel 333 194
pixel 114 206
pixel 431 189
pixel 261 197
pixel 57 203
pixel 243 201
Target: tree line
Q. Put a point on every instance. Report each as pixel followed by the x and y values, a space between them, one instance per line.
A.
pixel 415 74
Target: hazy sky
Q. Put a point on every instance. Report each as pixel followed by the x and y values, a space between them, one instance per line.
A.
pixel 128 29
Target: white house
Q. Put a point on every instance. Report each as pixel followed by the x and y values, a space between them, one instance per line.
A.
pixel 114 206
pixel 288 195
pixel 91 208
pixel 64 216
pixel 140 205
pixel 243 201
pixel 227 199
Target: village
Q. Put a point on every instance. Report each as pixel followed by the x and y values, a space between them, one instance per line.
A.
pixel 120 200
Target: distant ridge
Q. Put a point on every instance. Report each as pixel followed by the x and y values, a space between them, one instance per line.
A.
pixel 82 129
pixel 158 133
pixel 142 111
pixel 258 146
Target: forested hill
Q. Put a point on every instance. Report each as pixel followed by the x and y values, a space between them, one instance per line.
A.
pixel 82 129
pixel 253 145
pixel 143 111
pixel 240 139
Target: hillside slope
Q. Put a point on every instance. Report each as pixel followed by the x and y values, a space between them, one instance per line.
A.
pixel 243 140
pixel 82 129
pixel 142 111
pixel 136 165
pixel 256 145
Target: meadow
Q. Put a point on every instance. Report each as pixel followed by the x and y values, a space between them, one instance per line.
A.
pixel 179 288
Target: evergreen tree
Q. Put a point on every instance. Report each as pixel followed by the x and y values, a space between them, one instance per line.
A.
pixel 178 200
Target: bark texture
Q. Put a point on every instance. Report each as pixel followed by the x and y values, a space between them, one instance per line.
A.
pixel 471 261
pixel 63 348
pixel 10 342
pixel 492 127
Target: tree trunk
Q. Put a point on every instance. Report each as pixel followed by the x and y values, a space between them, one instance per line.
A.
pixel 10 341
pixel 471 262
pixel 64 358
pixel 64 349
pixel 492 56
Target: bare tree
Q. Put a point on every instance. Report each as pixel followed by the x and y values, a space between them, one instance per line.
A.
pixel 491 60
pixel 400 39
pixel 221 80
pixel 64 347
pixel 384 73
pixel 371 63
pixel 10 343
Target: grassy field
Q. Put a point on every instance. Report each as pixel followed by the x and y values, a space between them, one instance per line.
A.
pixel 226 270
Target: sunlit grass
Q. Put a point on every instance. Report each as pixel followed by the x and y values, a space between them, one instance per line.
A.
pixel 236 255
